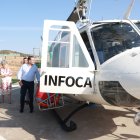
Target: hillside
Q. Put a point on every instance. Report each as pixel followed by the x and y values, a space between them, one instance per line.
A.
pixel 13 52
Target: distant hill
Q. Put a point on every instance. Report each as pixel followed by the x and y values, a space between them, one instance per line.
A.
pixel 13 52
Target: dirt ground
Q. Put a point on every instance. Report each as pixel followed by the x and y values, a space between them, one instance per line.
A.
pixel 98 123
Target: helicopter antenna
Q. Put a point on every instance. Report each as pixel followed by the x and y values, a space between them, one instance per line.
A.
pixel 129 9
pixel 79 11
pixel 89 9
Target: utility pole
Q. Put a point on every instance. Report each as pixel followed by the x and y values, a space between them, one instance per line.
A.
pixel 36 49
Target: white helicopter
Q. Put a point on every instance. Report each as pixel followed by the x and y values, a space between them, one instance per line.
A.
pixel 97 63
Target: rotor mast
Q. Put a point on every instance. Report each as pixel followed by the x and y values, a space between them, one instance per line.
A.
pixel 79 12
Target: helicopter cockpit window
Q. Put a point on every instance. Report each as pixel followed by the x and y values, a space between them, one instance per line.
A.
pixel 58 50
pixel 79 59
pixel 111 39
pixel 86 41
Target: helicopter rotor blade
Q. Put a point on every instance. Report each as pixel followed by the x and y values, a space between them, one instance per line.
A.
pixel 129 9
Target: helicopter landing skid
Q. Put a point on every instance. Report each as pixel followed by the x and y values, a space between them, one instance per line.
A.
pixel 63 122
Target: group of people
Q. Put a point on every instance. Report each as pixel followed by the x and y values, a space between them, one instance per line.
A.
pixel 26 76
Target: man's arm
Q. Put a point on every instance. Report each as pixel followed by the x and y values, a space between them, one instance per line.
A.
pixel 38 76
pixel 19 76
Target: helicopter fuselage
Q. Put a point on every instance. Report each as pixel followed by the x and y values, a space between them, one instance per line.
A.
pixel 102 67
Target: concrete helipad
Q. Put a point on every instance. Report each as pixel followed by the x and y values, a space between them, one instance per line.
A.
pixel 99 123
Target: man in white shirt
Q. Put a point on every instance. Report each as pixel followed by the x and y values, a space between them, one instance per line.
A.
pixel 26 76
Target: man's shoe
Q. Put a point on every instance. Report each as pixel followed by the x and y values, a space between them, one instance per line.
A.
pixel 21 110
pixel 26 102
pixel 31 111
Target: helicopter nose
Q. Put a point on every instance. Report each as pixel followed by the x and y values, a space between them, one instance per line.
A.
pixel 131 83
pixel 126 65
pixel 130 77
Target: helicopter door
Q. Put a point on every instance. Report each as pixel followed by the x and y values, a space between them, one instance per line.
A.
pixel 66 66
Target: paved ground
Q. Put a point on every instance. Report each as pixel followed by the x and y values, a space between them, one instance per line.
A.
pixel 100 123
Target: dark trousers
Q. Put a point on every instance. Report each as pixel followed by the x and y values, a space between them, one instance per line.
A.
pixel 30 87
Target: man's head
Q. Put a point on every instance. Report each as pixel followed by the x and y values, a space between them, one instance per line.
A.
pixel 4 64
pixel 25 60
pixel 31 60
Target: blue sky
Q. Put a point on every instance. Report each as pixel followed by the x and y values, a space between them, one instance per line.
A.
pixel 21 21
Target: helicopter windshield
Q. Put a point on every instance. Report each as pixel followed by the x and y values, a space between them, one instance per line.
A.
pixel 111 39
